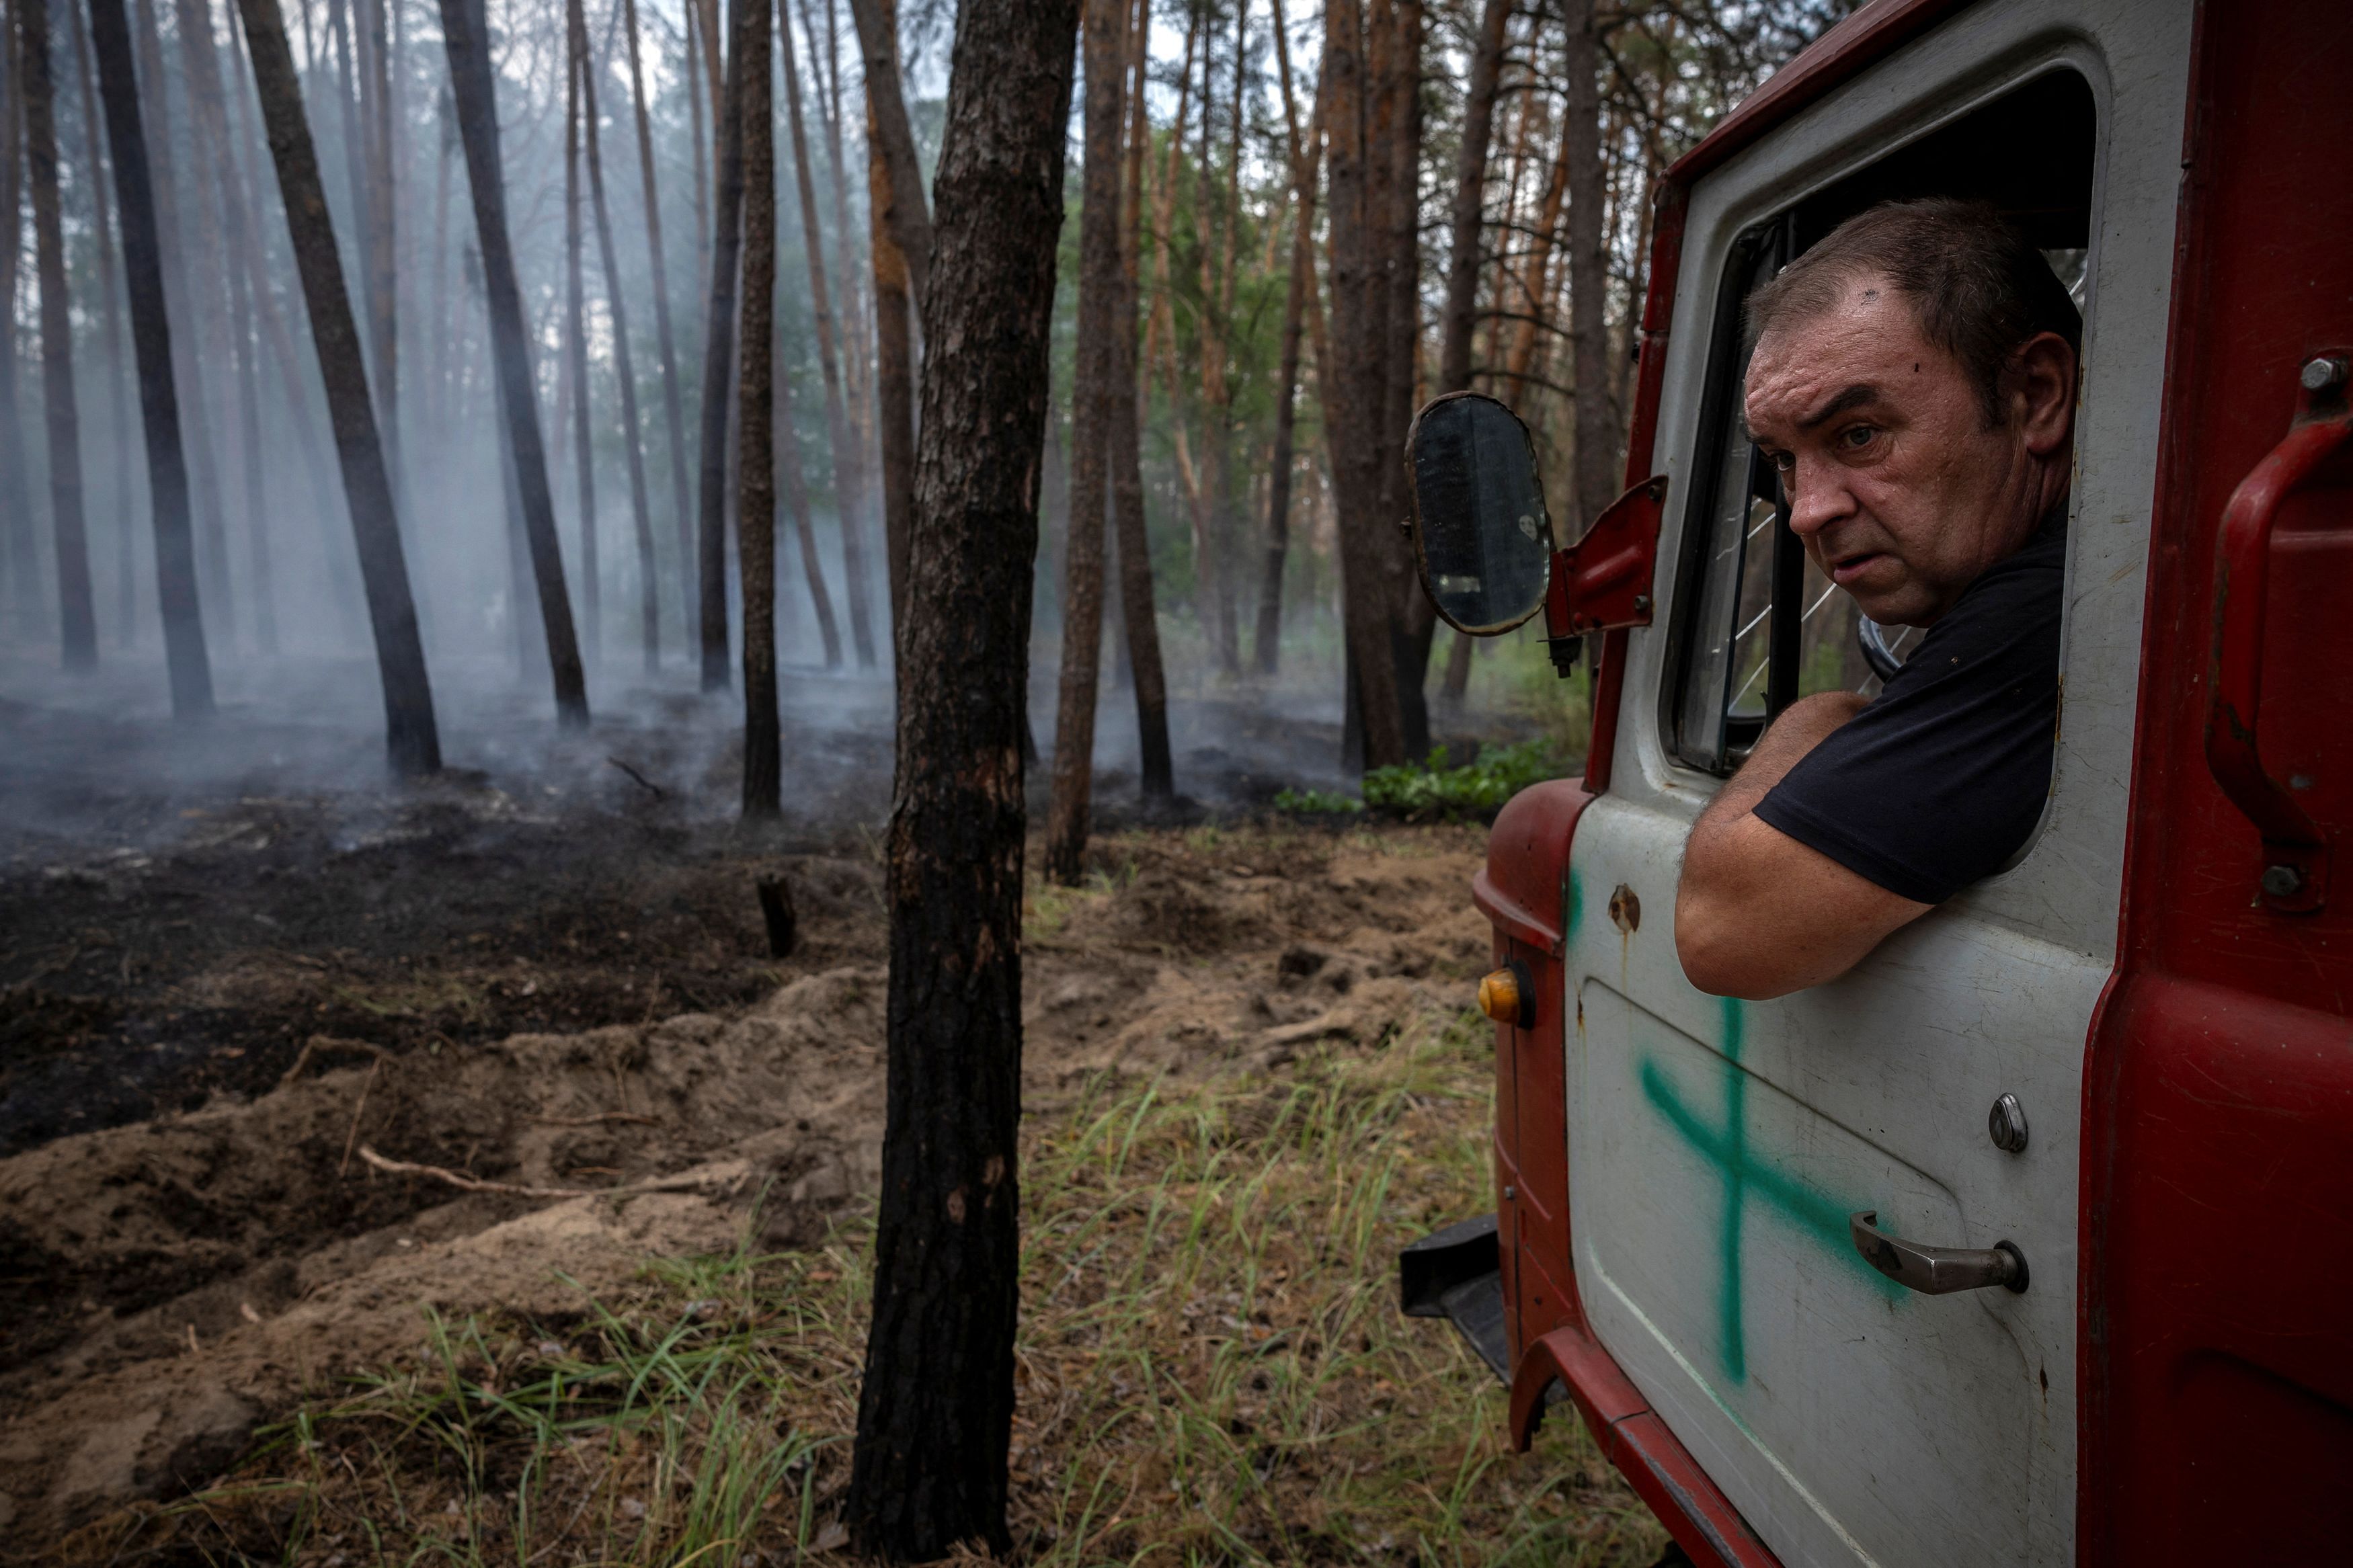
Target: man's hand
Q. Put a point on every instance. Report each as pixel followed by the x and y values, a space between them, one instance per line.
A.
pixel 1760 914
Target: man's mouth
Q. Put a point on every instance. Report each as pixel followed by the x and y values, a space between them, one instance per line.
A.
pixel 1847 568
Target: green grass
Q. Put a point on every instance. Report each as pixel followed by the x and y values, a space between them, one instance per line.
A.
pixel 1212 1369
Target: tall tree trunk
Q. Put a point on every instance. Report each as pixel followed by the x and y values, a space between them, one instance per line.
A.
pixel 896 221
pixel 189 670
pixel 381 249
pixel 935 1408
pixel 848 472
pixel 1351 403
pixel 1466 238
pixel 1298 298
pixel 576 339
pixel 858 315
pixel 1138 614
pixel 1416 620
pixel 1535 272
pixel 110 315
pixel 699 154
pixel 796 488
pixel 15 482
pixel 719 357
pixel 1589 263
pixel 891 139
pixel 755 507
pixel 1214 508
pixel 409 731
pixel 673 416
pixel 77 621
pixel 187 298
pixel 471 86
pixel 1092 409
pixel 209 110
pixel 632 436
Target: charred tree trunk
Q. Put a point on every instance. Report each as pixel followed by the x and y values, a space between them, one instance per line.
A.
pixel 77 620
pixel 409 731
pixel 935 1408
pixel 1416 620
pixel 848 472
pixel 110 314
pixel 575 338
pixel 1465 241
pixel 755 505
pixel 1138 614
pixel 1588 269
pixel 673 416
pixel 381 248
pixel 699 154
pixel 474 91
pixel 719 357
pixel 624 368
pixel 896 221
pixel 1351 394
pixel 858 315
pixel 1105 33
pixel 795 486
pixel 150 338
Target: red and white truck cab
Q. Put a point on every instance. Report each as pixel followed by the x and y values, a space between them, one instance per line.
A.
pixel 2031 1240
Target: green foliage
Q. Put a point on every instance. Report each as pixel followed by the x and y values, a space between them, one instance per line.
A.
pixel 1436 789
pixel 1316 802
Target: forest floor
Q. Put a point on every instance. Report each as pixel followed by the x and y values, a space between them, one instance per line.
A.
pixel 231 1330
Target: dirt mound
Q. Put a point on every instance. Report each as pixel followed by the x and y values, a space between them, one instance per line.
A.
pixel 168 1284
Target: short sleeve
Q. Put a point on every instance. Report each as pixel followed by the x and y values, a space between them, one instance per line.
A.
pixel 1940 780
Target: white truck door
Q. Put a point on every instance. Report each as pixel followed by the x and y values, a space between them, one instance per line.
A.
pixel 1716 1148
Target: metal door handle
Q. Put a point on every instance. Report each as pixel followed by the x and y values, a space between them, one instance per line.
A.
pixel 1935 1270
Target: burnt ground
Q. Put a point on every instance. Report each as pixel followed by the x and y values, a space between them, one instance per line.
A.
pixel 232 957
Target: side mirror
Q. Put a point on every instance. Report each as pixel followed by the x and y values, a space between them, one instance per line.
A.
pixel 1481 537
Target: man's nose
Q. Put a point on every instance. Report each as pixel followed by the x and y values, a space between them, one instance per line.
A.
pixel 1818 498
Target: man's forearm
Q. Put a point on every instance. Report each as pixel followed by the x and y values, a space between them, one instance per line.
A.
pixel 1804 725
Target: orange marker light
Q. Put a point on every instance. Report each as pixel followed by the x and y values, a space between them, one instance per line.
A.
pixel 1499 996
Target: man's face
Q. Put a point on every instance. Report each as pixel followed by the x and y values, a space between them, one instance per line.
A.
pixel 1901 493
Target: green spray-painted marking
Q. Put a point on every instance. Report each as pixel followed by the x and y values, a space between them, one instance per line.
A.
pixel 1748 1176
pixel 1575 907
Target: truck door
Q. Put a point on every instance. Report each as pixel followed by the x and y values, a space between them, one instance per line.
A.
pixel 1718 1148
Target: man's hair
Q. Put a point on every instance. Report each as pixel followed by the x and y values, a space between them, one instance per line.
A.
pixel 1978 289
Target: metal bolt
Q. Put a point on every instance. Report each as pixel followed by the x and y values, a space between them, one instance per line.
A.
pixel 2282 882
pixel 1641 604
pixel 2322 373
pixel 2006 1125
pixel 1510 1194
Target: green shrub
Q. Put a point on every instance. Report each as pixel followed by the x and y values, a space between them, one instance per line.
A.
pixel 1435 789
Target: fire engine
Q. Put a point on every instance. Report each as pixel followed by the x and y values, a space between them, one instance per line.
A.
pixel 2031 1240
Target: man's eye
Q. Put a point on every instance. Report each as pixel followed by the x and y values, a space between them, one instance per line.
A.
pixel 1855 438
pixel 1783 462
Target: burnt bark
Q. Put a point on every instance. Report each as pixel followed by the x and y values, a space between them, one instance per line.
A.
pixel 189 669
pixel 624 366
pixel 673 418
pixel 849 471
pixel 893 139
pixel 1139 618
pixel 1466 236
pixel 380 255
pixel 719 357
pixel 1105 35
pixel 1414 619
pixel 410 734
pixel 77 621
pixel 474 92
pixel 756 461
pixel 935 1418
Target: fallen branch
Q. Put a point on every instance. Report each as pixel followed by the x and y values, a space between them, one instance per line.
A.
pixel 643 782
pixel 464 1182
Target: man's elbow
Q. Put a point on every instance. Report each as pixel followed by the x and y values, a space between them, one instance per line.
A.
pixel 1724 956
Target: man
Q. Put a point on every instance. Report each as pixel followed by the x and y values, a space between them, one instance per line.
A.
pixel 1913 381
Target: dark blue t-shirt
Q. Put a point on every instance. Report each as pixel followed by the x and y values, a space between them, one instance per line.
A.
pixel 1939 781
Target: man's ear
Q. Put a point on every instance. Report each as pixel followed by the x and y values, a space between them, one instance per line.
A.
pixel 2043 392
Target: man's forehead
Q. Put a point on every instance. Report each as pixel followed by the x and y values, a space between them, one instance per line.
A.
pixel 1809 369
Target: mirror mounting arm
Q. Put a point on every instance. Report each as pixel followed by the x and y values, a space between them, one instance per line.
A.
pixel 1602 582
